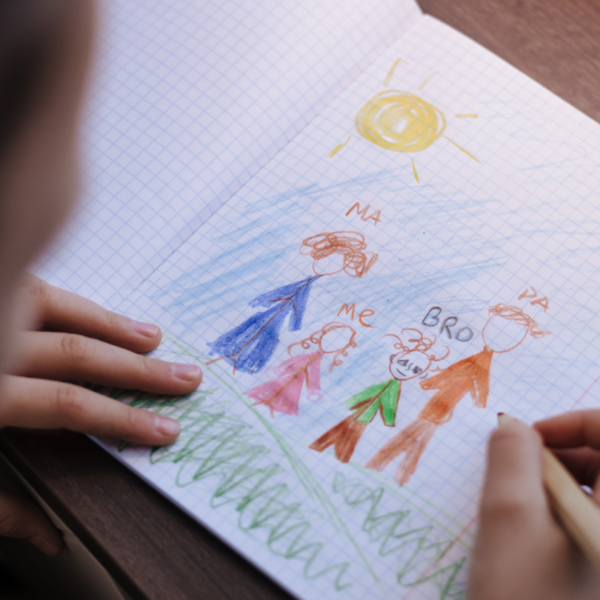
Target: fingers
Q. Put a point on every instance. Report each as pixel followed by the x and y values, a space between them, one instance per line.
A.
pixel 514 518
pixel 582 463
pixel 42 404
pixel 513 491
pixel 68 312
pixel 22 518
pixel 575 439
pixel 64 356
pixel 571 430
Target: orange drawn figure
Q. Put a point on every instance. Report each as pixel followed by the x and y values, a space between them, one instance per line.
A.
pixel 412 360
pixel 506 328
pixel 282 394
pixel 249 346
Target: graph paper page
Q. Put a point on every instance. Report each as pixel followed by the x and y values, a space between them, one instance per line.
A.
pixel 422 256
pixel 191 99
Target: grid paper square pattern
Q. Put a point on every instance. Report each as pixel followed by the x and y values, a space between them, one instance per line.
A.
pixel 487 257
pixel 191 99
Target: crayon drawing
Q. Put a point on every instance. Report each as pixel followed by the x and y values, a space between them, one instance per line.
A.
pixel 413 359
pixel 282 394
pixel 250 346
pixel 242 465
pixel 464 242
pixel 402 122
pixel 505 329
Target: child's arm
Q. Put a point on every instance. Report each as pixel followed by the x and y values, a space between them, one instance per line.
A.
pixel 520 550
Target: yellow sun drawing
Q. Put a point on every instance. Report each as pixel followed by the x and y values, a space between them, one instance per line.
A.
pixel 402 122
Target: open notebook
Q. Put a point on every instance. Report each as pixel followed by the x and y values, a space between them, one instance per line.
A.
pixel 419 255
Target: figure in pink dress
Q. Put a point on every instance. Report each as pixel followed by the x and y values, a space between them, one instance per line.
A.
pixel 282 394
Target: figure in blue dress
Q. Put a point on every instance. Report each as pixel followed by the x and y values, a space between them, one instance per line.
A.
pixel 249 346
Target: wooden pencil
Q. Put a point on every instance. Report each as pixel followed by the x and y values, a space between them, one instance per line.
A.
pixel 577 512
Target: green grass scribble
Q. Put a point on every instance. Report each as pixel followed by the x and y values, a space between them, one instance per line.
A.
pixel 220 446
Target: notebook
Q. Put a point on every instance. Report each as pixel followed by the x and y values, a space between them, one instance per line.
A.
pixel 417 255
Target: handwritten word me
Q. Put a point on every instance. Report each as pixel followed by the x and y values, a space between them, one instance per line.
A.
pixel 363 314
pixel 433 319
pixel 375 215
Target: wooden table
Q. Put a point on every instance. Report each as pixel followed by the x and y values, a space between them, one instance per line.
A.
pixel 151 548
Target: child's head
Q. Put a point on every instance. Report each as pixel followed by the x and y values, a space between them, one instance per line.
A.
pixel 507 326
pixel 45 49
pixel 337 251
pixel 414 356
pixel 335 338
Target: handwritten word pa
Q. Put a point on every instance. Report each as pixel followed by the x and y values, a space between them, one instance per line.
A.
pixel 543 301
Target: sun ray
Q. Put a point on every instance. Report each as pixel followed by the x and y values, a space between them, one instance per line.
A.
pixel 338 148
pixel 463 150
pixel 468 116
pixel 415 170
pixel 428 79
pixel 388 77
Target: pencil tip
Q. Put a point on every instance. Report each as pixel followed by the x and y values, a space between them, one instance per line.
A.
pixel 500 414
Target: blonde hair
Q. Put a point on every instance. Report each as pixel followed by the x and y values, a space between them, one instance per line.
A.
pixel 350 244
pixel 514 313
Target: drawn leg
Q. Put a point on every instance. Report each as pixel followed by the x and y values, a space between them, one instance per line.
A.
pixel 413 440
pixel 343 437
pixel 408 466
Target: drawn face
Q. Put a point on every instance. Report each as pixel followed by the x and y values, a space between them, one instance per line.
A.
pixel 330 265
pixel 502 335
pixel 336 340
pixel 408 365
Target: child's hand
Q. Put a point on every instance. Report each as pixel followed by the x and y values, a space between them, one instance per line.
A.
pixel 521 552
pixel 89 344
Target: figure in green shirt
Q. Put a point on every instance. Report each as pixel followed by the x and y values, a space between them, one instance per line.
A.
pixel 412 360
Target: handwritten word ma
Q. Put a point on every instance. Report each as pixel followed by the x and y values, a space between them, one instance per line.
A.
pixel 375 215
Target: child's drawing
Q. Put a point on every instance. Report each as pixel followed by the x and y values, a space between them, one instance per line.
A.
pixel 282 394
pixel 413 360
pixel 249 346
pixel 505 329
pixel 402 122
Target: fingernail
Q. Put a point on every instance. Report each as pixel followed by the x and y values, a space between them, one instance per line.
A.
pixel 45 545
pixel 166 426
pixel 148 330
pixel 186 372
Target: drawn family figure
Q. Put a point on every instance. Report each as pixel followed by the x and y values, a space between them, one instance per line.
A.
pixel 282 394
pixel 506 328
pixel 414 359
pixel 249 346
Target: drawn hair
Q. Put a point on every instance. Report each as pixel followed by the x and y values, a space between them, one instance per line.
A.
pixel 317 336
pixel 514 313
pixel 417 342
pixel 350 244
